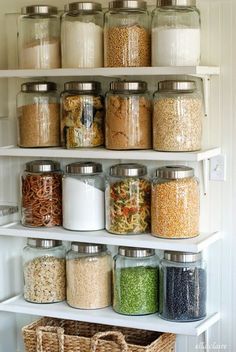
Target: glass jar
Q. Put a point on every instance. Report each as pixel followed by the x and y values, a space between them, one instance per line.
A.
pixel 83 197
pixel 176 33
pixel 175 203
pixel 38 113
pixel 39 37
pixel 177 117
pixel 89 276
pixel 44 271
pixel 128 116
pixel 41 194
pixel 82 115
pixel 135 281
pixel 127 41
pixel 183 286
pixel 82 35
pixel 128 193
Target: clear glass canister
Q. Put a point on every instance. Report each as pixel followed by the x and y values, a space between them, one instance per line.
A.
pixel 82 115
pixel 82 35
pixel 44 271
pixel 38 112
pixel 135 281
pixel 176 33
pixel 175 203
pixel 177 117
pixel 127 41
pixel 89 276
pixel 128 193
pixel 41 198
pixel 39 37
pixel 83 197
pixel 128 116
pixel 183 286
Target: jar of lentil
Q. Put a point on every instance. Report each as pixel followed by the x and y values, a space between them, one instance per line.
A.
pixel 41 199
pixel 128 116
pixel 39 37
pixel 82 115
pixel 127 41
pixel 44 271
pixel 128 193
pixel 183 283
pixel 175 203
pixel 135 281
pixel 177 117
pixel 176 33
pixel 89 276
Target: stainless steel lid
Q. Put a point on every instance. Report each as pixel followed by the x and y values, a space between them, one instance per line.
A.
pixel 88 248
pixel 84 6
pixel 92 86
pixel 8 210
pixel 128 4
pixel 120 86
pixel 175 172
pixel 128 170
pixel 38 87
pixel 182 257
pixel 182 3
pixel 136 252
pixel 39 10
pixel 84 168
pixel 41 243
pixel 42 166
pixel 178 86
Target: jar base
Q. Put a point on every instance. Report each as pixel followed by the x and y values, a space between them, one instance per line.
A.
pixel 175 238
pixel 183 320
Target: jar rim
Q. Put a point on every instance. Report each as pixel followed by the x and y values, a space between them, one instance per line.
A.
pixel 78 6
pixel 39 10
pixel 42 166
pixel 43 243
pixel 182 257
pixel 177 3
pixel 175 172
pixel 176 86
pixel 128 5
pixel 84 168
pixel 128 170
pixel 88 248
pixel 88 86
pixel 29 87
pixel 137 86
pixel 135 252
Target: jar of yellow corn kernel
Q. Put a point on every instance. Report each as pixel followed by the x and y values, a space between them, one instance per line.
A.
pixel 175 203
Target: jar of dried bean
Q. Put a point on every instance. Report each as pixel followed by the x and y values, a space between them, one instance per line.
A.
pixel 41 194
pixel 183 284
pixel 44 271
pixel 135 281
pixel 82 115
pixel 128 116
pixel 128 193
pixel 177 117
pixel 175 203
pixel 127 34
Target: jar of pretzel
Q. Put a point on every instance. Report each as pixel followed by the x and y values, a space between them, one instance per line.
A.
pixel 41 194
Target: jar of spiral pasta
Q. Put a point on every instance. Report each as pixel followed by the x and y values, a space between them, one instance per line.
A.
pixel 41 190
pixel 128 208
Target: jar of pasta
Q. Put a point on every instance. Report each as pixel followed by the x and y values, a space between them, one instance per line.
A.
pixel 41 194
pixel 128 208
pixel 82 115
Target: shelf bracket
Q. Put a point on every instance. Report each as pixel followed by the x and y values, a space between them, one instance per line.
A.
pixel 206 93
pixel 205 175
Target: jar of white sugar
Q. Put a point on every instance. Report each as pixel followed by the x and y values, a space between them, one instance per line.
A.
pixel 176 33
pixel 83 197
pixel 82 35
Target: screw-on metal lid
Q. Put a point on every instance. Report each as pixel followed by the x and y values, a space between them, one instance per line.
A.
pixel 120 86
pixel 175 172
pixel 38 87
pixel 42 166
pixel 182 257
pixel 128 4
pixel 179 86
pixel 92 86
pixel 182 3
pixel 41 243
pixel 84 6
pixel 128 170
pixel 136 252
pixel 84 168
pixel 39 10
pixel 88 248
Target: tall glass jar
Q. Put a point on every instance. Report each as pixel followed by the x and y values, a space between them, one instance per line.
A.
pixel 38 113
pixel 41 199
pixel 127 41
pixel 83 197
pixel 39 37
pixel 82 35
pixel 82 115
pixel 176 33
pixel 128 208
pixel 89 276
pixel 128 116
pixel 177 117
pixel 44 271
pixel 135 281
pixel 183 286
pixel 175 203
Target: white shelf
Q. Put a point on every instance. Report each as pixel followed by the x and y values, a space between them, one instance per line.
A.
pixel 107 316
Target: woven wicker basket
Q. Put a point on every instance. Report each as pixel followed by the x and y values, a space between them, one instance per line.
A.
pixel 55 335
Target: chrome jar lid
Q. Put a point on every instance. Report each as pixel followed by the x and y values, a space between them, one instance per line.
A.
pixel 84 6
pixel 128 170
pixel 84 168
pixel 38 87
pixel 176 86
pixel 119 86
pixel 182 257
pixel 175 172
pixel 88 248
pixel 180 3
pixel 39 10
pixel 91 86
pixel 42 243
pixel 136 252
pixel 128 5
pixel 42 166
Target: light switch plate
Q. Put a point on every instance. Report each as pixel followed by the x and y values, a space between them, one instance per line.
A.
pixel 218 168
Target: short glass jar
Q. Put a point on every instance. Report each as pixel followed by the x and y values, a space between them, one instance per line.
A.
pixel 128 116
pixel 38 112
pixel 177 117
pixel 128 203
pixel 183 285
pixel 176 28
pixel 89 276
pixel 39 37
pixel 135 281
pixel 83 197
pixel 41 198
pixel 127 40
pixel 175 202
pixel 44 271
pixel 82 115
pixel 82 35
